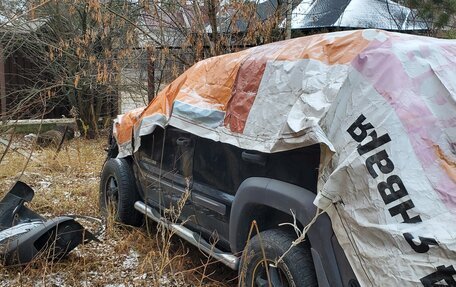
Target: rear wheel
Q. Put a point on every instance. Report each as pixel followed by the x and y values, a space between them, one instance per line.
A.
pixel 118 192
pixel 296 268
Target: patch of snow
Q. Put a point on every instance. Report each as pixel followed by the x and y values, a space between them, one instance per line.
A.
pixel 164 280
pixel 140 277
pixel 44 184
pixel 30 137
pixel 56 280
pixel 299 14
pixel 131 261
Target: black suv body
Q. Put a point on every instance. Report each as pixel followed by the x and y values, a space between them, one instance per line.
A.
pixel 229 188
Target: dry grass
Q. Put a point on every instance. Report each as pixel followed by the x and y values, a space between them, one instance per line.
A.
pixel 127 256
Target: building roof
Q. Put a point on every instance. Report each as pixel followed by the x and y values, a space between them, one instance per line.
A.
pixel 169 28
pixel 22 26
pixel 311 14
pixel 380 14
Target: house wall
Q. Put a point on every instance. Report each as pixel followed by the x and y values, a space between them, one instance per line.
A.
pixel 19 76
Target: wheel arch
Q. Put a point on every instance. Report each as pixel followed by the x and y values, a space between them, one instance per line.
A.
pixel 257 195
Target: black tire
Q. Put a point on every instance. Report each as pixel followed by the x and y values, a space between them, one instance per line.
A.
pixel 118 192
pixel 296 269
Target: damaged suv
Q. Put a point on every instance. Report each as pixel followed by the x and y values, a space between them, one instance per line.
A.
pixel 300 162
pixel 229 188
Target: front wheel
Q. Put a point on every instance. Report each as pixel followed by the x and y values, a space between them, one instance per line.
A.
pixel 296 268
pixel 118 192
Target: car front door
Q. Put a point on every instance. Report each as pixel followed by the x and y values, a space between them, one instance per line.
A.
pixel 216 176
pixel 166 160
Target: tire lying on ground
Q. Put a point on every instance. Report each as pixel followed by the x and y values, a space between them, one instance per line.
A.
pixel 55 136
pixel 50 138
pixel 118 192
pixel 296 269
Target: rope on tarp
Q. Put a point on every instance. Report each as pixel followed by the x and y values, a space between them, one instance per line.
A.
pixel 301 233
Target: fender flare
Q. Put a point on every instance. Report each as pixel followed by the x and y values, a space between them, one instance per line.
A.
pixel 28 245
pixel 258 191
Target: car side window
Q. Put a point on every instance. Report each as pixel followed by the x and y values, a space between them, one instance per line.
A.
pixel 170 149
pixel 152 146
pixel 298 166
pixel 217 165
pixel 178 152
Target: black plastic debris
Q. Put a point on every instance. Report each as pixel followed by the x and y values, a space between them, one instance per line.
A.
pixel 25 235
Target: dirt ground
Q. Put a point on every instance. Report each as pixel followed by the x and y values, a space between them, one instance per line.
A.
pixel 67 183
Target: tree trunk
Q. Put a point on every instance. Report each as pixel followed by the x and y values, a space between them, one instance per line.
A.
pixel 150 73
pixel 288 18
pixel 2 86
pixel 212 15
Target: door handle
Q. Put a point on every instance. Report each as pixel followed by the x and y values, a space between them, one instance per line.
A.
pixel 184 142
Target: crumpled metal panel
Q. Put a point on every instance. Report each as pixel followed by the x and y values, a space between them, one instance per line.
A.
pixel 24 234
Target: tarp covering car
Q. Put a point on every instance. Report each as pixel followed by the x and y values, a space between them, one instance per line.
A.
pixel 383 107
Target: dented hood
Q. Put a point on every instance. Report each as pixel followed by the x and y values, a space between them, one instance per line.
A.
pixel 383 107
